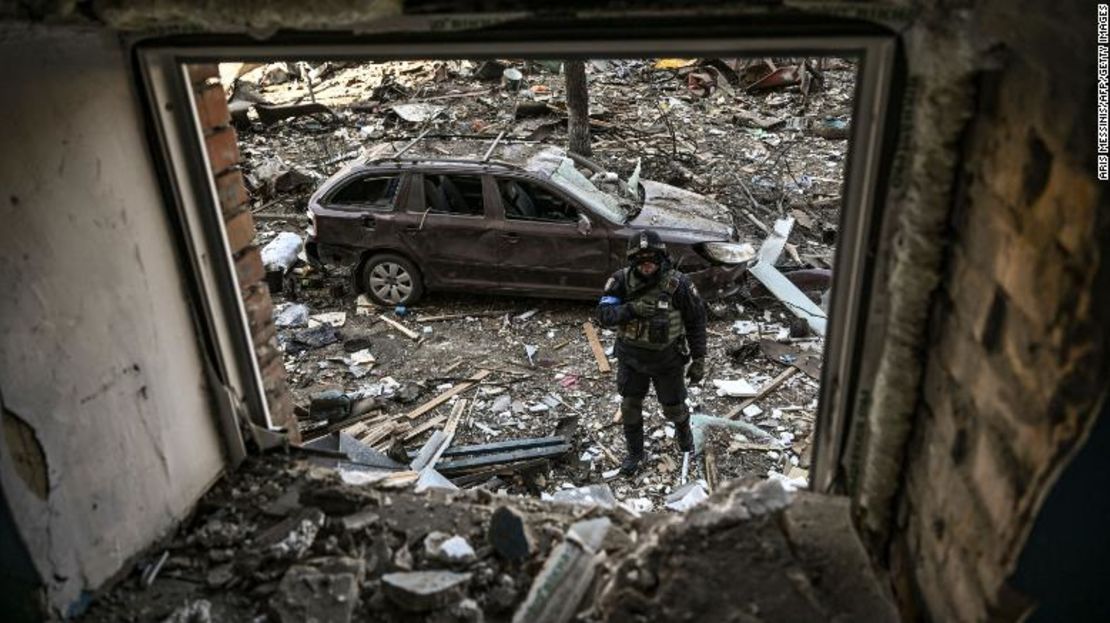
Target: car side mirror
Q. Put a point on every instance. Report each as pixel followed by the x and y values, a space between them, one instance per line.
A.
pixel 584 224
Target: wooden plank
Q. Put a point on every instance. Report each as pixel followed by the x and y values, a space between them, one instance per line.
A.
pixel 377 434
pixel 432 423
pixel 768 388
pixel 595 345
pixel 458 316
pixel 413 335
pixel 445 396
pixel 449 431
pixel 358 428
pixel 710 469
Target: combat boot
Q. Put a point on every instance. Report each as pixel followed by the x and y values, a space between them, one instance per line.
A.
pixel 684 436
pixel 634 439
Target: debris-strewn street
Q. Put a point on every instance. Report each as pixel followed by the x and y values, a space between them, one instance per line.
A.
pixel 286 541
pixel 502 369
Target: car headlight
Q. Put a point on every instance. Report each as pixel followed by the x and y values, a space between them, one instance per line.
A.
pixel 729 252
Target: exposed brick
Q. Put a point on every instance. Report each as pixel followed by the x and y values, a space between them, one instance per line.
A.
pixel 992 472
pixel 248 267
pixel 267 352
pixel 232 192
pixel 223 152
pixel 259 308
pixel 199 73
pixel 972 292
pixel 263 336
pixel 212 107
pixel 240 231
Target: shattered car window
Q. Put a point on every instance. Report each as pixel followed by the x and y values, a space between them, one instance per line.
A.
pixel 571 179
pixel 366 190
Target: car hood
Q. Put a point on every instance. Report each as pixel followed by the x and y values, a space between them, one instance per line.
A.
pixel 668 207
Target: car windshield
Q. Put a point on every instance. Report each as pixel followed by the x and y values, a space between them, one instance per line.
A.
pixel 556 166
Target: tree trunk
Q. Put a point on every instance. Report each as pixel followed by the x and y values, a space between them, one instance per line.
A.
pixel 578 107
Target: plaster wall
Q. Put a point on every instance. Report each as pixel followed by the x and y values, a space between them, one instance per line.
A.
pixel 109 437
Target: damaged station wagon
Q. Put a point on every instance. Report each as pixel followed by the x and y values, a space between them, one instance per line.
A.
pixel 528 223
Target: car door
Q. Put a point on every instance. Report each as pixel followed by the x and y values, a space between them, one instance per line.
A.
pixel 545 247
pixel 448 233
pixel 349 214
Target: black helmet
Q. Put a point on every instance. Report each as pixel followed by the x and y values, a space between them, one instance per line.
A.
pixel 646 241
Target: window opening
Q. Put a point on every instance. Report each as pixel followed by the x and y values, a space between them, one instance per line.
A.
pixel 529 201
pixel 367 191
pixel 453 194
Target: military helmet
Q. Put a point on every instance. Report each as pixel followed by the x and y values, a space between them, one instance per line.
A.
pixel 646 241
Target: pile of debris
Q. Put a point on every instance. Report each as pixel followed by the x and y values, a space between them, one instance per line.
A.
pixel 287 541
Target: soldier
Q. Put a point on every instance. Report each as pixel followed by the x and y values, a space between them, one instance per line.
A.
pixel 660 320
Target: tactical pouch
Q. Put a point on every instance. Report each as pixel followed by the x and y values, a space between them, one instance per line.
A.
pixel 657 329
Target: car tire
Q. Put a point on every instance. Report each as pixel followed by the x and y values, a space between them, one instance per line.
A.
pixel 392 280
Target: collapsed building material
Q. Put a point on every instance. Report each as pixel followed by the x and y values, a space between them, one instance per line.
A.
pixel 567 573
pixel 445 396
pixel 307 592
pixel 687 496
pixel 422 591
pixel 794 299
pixel 510 534
pixel 589 495
pixel 350 453
pixel 804 562
pixel 472 460
pixel 763 391
pixel 531 466
pixel 270 114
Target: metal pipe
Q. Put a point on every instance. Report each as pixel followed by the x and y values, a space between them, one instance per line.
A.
pixel 494 146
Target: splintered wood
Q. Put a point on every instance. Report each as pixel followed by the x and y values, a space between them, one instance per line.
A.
pixel 768 388
pixel 445 396
pixel 595 345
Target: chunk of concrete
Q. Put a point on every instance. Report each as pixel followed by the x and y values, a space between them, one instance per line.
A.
pixel 510 535
pixel 448 548
pixel 292 537
pixel 307 593
pixel 589 495
pixel 421 591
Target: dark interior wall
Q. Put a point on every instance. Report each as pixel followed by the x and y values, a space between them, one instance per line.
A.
pixel 1016 359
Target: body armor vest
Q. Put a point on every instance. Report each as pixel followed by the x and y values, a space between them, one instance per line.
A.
pixel 665 325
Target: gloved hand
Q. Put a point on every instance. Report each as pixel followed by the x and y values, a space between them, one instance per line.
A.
pixel 696 371
pixel 642 308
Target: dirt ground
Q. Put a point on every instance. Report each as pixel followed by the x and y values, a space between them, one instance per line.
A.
pixel 764 155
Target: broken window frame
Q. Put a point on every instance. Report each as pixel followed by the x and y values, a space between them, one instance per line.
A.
pixel 383 203
pixel 179 145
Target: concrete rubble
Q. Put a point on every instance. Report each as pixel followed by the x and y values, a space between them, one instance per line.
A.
pixel 336 552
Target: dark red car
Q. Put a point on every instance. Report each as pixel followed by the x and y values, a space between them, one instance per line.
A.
pixel 413 223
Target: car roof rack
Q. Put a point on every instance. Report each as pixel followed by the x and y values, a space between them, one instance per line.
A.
pixel 492 147
pixel 411 143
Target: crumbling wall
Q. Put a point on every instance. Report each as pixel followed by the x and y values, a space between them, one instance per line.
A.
pixel 1015 358
pixel 109 436
pixel 223 157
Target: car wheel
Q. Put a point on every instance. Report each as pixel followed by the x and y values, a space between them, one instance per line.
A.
pixel 391 280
